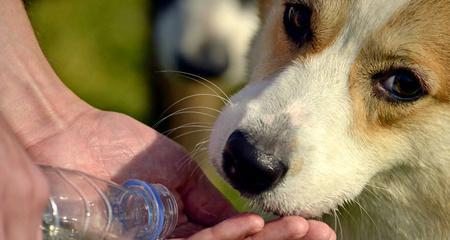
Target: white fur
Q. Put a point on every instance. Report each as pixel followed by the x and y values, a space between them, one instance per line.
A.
pixel 315 94
pixel 189 23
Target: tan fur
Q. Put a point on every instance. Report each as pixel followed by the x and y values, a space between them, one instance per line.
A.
pixel 276 44
pixel 410 199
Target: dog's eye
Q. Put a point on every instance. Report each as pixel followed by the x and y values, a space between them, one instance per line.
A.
pixel 399 85
pixel 297 23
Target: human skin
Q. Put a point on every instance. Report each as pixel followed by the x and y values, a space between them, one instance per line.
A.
pixel 22 186
pixel 51 125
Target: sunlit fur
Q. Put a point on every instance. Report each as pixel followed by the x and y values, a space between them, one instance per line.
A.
pixel 382 168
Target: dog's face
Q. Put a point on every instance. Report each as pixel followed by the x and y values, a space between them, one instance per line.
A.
pixel 340 91
pixel 209 38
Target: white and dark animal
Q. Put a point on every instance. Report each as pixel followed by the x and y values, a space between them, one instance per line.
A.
pixel 208 38
pixel 347 112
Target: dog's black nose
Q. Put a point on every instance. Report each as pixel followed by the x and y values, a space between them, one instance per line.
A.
pixel 210 60
pixel 250 170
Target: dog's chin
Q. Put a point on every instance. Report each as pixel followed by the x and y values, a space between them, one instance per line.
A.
pixel 270 203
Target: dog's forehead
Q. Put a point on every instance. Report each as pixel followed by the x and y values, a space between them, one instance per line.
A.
pixel 352 20
pixel 343 24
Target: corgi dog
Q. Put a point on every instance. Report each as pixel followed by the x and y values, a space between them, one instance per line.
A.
pixel 346 117
pixel 209 38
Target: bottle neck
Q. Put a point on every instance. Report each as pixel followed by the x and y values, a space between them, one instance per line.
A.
pixel 161 211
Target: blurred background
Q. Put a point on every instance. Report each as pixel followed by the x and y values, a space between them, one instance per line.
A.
pixel 168 63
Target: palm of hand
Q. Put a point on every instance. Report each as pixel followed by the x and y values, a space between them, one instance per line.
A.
pixel 116 147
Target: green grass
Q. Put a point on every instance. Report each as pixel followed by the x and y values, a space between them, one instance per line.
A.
pixel 99 49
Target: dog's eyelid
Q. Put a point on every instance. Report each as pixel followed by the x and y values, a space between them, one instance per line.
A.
pixel 298 3
pixel 422 79
pixel 297 23
pixel 303 2
pixel 419 75
pixel 386 92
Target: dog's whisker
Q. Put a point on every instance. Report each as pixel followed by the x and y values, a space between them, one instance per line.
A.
pixel 188 162
pixel 335 221
pixel 191 132
pixel 202 143
pixel 200 108
pixel 176 113
pixel 199 145
pixel 190 97
pixel 341 231
pixel 369 190
pixel 187 126
pixel 365 211
pixel 196 155
pixel 377 187
pixel 198 149
pixel 199 80
pixel 185 162
pixel 344 207
pixel 193 108
pixel 206 124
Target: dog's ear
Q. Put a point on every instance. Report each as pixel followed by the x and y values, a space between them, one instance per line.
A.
pixel 264 7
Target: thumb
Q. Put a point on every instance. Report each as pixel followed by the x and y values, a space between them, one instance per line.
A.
pixel 204 204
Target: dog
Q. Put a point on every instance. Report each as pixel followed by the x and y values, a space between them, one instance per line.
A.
pixel 345 117
pixel 208 38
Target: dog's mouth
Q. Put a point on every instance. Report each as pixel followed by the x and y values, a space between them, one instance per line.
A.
pixel 267 202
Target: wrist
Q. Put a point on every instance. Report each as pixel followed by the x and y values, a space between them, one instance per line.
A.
pixel 33 101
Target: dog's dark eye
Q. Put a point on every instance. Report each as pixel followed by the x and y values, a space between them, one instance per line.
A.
pixel 297 23
pixel 399 85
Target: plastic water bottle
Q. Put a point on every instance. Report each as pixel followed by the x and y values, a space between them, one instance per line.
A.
pixel 85 207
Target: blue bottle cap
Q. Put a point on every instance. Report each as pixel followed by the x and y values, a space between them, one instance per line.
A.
pixel 161 207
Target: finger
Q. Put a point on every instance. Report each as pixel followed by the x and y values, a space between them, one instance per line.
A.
pixel 233 228
pixel 23 185
pixel 319 231
pixel 291 227
pixel 204 204
pixel 186 230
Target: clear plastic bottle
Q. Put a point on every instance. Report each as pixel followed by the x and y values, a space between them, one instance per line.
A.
pixel 85 207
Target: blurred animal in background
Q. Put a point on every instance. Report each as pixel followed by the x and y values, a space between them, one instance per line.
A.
pixel 204 40
pixel 208 38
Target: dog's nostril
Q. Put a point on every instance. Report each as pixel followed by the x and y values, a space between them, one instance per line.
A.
pixel 250 170
pixel 210 60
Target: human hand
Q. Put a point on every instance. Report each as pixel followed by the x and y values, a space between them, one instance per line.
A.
pixel 23 188
pixel 114 146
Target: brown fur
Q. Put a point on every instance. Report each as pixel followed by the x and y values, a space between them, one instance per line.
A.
pixel 411 199
pixel 273 39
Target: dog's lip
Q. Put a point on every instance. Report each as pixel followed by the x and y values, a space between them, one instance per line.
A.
pixel 281 213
